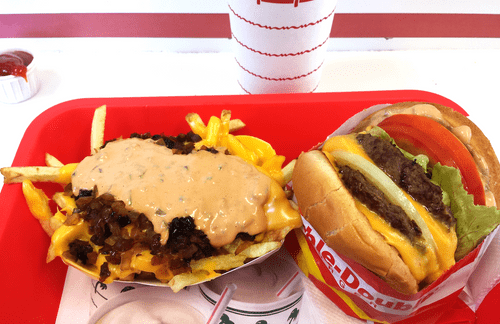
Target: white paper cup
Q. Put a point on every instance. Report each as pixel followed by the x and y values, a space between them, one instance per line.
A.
pixel 280 45
pixel 14 89
pixel 150 305
pixel 255 299
pixel 279 311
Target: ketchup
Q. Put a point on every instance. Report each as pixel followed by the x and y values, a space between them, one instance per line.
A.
pixel 15 63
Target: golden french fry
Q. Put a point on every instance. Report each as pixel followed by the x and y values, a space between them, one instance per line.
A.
pixel 36 174
pixel 235 124
pixel 97 131
pixel 219 262
pixel 37 200
pixel 180 281
pixel 39 174
pixel 197 125
pixel 225 118
pixel 38 204
pixel 233 246
pixel 51 254
pixel 52 161
pixel 259 249
pixel 213 131
pixel 288 170
pixel 57 220
pixel 65 202
pixel 236 148
pixel 204 269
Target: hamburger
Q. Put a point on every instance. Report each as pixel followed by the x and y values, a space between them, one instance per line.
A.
pixel 407 193
pixel 173 210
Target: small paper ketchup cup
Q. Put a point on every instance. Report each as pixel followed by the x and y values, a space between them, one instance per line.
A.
pixel 13 88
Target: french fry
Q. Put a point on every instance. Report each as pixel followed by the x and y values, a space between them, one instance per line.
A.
pixel 39 174
pixel 197 125
pixel 213 132
pixel 52 161
pixel 38 204
pixel 35 174
pixel 219 262
pixel 236 148
pixel 57 220
pixel 97 130
pixel 254 150
pixel 65 202
pixel 235 125
pixel 288 170
pixel 259 249
pixel 204 269
pixel 225 118
pixel 180 281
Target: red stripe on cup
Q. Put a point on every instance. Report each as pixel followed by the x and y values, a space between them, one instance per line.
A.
pixel 281 27
pixel 281 54
pixel 280 79
pixel 294 2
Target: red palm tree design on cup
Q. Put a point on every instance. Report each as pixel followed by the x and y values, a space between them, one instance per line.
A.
pixel 295 2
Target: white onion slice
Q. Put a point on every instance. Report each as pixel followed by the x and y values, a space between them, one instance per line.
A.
pixel 382 181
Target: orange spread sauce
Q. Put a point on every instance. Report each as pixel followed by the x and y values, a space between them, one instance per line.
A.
pixel 224 194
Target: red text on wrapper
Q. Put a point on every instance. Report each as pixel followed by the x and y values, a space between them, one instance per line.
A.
pixel 343 277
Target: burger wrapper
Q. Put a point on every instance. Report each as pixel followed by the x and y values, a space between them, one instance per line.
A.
pixel 360 294
pixel 280 45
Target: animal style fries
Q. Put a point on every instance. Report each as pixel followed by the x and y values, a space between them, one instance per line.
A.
pixel 131 250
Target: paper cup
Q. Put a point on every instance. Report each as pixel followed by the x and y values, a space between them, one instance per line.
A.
pixel 280 45
pixel 14 89
pixel 150 305
pixel 257 298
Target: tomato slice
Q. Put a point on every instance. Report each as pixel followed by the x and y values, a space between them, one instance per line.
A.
pixel 422 135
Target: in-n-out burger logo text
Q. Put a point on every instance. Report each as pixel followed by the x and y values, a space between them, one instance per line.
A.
pixel 295 2
pixel 347 280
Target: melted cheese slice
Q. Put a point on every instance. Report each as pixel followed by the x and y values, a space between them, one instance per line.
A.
pixel 424 267
pixel 279 212
pixel 420 264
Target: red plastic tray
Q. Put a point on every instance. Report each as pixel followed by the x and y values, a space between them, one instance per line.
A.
pixel 31 288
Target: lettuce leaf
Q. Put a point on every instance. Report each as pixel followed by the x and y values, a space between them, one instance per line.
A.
pixel 474 222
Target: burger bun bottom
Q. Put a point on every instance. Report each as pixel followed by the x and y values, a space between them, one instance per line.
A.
pixel 329 207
